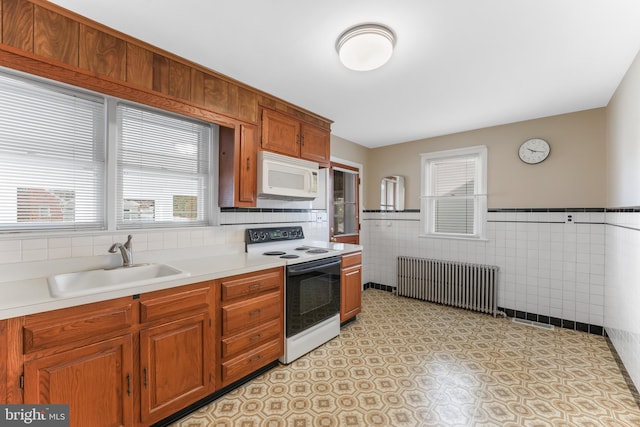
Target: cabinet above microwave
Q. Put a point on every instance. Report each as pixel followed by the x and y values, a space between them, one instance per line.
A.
pixel 287 135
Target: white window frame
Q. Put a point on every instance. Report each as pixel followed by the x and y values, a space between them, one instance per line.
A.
pixel 427 199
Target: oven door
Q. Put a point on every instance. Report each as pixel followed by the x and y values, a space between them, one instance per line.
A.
pixel 313 293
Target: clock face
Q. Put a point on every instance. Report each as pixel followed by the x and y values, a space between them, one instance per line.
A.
pixel 534 150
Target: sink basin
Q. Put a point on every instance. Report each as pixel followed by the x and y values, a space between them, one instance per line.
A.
pixel 95 281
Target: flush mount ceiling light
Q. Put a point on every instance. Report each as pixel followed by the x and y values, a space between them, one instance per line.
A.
pixel 365 47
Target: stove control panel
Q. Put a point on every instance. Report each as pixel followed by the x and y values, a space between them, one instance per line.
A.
pixel 274 234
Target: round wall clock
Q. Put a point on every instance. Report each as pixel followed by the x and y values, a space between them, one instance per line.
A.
pixel 534 150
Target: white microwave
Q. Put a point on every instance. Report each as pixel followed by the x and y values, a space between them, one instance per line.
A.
pixel 288 178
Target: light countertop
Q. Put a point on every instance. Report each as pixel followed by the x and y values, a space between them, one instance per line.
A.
pixel 24 288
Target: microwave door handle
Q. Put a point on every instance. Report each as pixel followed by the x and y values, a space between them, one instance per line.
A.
pixel 294 271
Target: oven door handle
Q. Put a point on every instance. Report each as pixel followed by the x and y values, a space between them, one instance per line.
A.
pixel 294 271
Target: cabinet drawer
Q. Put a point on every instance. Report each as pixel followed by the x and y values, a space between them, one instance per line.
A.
pixel 247 363
pixel 92 322
pixel 252 338
pixel 352 259
pixel 173 301
pixel 250 284
pixel 247 314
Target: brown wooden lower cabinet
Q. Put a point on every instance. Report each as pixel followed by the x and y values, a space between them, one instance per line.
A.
pixel 96 381
pixel 351 286
pixel 175 366
pixel 134 361
pixel 252 323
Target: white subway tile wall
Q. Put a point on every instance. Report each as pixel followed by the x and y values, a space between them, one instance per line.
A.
pixel 549 265
pixel 622 293
pixel 231 230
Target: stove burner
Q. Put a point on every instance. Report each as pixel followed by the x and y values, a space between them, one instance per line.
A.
pixel 317 251
pixel 302 248
pixel 274 253
pixel 290 256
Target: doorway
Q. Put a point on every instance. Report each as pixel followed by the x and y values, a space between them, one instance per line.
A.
pixel 345 209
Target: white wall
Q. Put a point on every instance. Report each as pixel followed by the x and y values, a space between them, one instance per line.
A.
pixel 622 292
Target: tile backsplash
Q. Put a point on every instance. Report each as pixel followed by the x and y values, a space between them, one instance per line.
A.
pixel 230 231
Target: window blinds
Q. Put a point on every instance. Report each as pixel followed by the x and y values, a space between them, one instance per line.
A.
pixel 52 145
pixel 163 169
pixel 454 191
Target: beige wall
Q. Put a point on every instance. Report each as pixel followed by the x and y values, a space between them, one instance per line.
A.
pixel 346 150
pixel 572 176
pixel 623 141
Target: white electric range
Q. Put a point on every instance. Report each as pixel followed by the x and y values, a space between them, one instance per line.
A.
pixel 312 286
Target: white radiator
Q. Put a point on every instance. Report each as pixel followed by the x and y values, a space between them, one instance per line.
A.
pixel 458 284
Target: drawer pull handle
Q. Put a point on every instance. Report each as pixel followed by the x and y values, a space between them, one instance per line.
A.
pixel 145 377
pixel 255 359
pixel 255 337
pixel 255 286
pixel 128 385
pixel 255 312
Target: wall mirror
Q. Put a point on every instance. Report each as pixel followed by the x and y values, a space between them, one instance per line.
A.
pixel 392 193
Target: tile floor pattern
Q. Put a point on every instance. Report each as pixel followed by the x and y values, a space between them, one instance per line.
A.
pixel 410 363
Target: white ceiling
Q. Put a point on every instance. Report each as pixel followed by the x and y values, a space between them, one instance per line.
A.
pixel 458 64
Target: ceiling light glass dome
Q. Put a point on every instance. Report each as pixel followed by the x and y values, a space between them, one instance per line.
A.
pixel 365 47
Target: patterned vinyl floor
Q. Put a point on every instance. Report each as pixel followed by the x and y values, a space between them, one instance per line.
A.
pixel 410 363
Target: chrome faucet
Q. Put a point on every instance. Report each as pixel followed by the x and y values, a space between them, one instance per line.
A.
pixel 125 251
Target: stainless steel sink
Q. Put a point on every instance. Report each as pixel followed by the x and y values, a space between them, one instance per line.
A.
pixel 95 281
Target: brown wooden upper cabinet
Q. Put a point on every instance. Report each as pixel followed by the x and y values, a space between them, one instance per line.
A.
pixel 290 136
pixel 238 166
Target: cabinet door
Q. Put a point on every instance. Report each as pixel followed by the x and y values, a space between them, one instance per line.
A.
pixel 238 170
pixel 96 381
pixel 280 133
pixel 351 292
pixel 315 144
pixel 248 166
pixel 175 366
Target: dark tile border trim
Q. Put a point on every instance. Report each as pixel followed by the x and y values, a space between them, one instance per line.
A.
pixel 371 285
pixel 555 321
pixel 546 210
pixel 625 373
pixel 268 210
pixel 633 209
pixel 381 211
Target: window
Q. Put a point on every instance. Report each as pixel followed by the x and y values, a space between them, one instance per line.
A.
pixel 454 193
pixel 163 169
pixel 52 146
pixel 73 160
